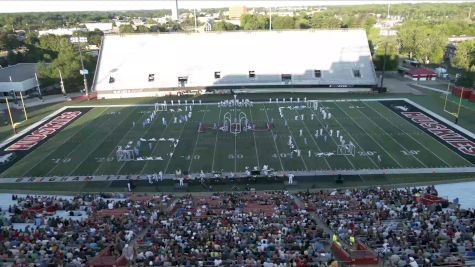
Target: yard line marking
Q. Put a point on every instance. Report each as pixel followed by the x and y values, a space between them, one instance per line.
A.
pixel 109 155
pixel 196 143
pixel 235 144
pixel 275 144
pixel 112 152
pixel 370 136
pixel 352 138
pixel 216 141
pixel 254 135
pixel 401 129
pixel 174 148
pixel 75 148
pixel 49 154
pixel 357 144
pixel 301 157
pixel 379 127
pixel 156 144
pixel 315 142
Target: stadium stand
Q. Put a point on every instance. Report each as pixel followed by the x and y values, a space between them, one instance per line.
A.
pixel 366 227
pixel 136 65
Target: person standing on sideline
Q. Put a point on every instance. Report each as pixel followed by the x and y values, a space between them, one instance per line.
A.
pixel 291 178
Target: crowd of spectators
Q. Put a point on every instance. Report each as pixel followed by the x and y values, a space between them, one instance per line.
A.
pixel 404 230
pixel 235 229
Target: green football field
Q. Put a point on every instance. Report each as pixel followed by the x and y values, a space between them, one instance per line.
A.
pixel 382 140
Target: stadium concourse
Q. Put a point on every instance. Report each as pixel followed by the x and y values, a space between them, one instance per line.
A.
pixel 388 227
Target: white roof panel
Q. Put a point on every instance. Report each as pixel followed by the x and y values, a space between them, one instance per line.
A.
pixel 129 59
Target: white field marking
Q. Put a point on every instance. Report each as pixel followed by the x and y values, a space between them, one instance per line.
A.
pixel 403 147
pixel 67 139
pixel 442 119
pixel 112 152
pixel 196 143
pixel 401 129
pixel 31 127
pixel 72 179
pixel 156 143
pixel 275 144
pixel 352 138
pixel 174 147
pixel 463 130
pixel 430 88
pixel 235 144
pixel 332 137
pixel 370 136
pixel 78 146
pixel 296 146
pixel 144 115
pixel 216 141
pixel 315 142
pixel 254 135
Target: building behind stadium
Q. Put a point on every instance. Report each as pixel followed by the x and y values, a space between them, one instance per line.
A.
pixel 139 65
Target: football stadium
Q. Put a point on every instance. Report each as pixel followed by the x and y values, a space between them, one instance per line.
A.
pixel 260 148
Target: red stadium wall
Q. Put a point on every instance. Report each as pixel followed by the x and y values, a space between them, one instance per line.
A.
pixel 472 97
pixel 362 255
pixel 461 91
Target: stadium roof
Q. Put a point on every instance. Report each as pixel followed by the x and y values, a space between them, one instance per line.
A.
pixel 341 56
pixel 18 72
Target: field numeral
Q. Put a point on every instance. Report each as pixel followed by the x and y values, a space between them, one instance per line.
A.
pixel 282 155
pixel 61 160
pixel 238 156
pixel 196 156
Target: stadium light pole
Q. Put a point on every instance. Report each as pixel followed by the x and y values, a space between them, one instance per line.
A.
pixel 83 71
pixel 196 23
pixel 270 18
pixel 384 64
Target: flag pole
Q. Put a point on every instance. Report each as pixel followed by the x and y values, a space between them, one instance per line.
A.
pixel 10 114
pixel 24 108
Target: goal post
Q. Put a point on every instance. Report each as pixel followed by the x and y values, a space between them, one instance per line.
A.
pixel 346 150
pixel 456 113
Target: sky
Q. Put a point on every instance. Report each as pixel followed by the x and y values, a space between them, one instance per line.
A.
pixel 15 6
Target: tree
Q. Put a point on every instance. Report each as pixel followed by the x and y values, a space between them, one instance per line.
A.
pixel 323 21
pixel 282 23
pixel 465 56
pixel 8 41
pixel 251 22
pixel 407 39
pixel 224 26
pixel 142 28
pixel 126 28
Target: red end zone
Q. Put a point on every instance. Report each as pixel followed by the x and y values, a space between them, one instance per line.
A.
pixel 23 145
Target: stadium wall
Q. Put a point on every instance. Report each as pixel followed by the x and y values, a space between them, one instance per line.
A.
pixel 140 65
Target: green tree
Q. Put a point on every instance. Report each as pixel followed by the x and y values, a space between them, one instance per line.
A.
pixel 251 22
pixel 407 38
pixel 126 28
pixel 283 23
pixel 224 26
pixel 142 29
pixel 323 21
pixel 465 56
